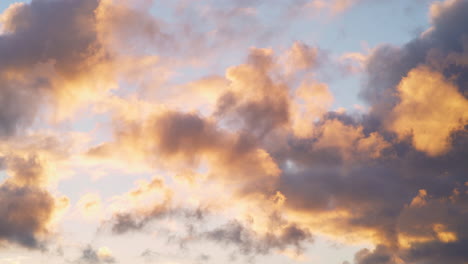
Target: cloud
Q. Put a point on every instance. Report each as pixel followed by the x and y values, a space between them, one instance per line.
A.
pixel 57 56
pixel 430 109
pixel 185 140
pixel 279 165
pixel 125 25
pixel 354 178
pixel 28 209
pixel 380 255
pixel 411 162
pixel 47 52
pixel 25 213
pixel 248 242
pixel 89 255
pixel 312 101
pixel 435 49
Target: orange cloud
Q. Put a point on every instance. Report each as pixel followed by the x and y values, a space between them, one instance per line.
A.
pixel 430 109
pixel 312 101
pixel 334 7
pixel 300 57
pixel 180 141
pixel 90 205
pixel 350 141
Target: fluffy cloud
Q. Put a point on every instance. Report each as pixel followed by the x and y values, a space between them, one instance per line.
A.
pixel 337 172
pixel 430 109
pixel 48 50
pixel 178 140
pixel 28 209
pixel 279 165
pixel 25 212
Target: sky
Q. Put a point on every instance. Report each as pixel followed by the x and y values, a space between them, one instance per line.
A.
pixel 222 131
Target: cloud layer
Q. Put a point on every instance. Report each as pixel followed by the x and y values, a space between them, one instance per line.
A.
pixel 250 156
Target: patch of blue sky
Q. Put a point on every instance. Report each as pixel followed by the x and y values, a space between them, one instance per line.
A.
pixel 3 175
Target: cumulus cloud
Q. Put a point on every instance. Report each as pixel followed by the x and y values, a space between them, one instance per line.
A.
pixel 286 139
pixel 134 210
pixel 28 208
pixel 435 48
pixel 25 212
pixel 186 139
pixel 45 49
pixel 280 166
pixel 430 109
pixel 380 255
pixel 418 105
pixel 57 56
pixel 333 6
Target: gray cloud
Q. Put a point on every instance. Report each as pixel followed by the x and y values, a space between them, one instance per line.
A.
pixel 24 214
pixel 435 48
pixel 249 243
pixel 379 192
pixel 39 34
pixel 89 255
pixel 381 255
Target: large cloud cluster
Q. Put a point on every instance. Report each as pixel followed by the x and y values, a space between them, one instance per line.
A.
pixel 358 178
pixel 265 139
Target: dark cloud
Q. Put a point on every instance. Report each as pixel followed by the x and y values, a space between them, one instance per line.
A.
pixel 62 31
pixel 250 243
pixel 122 223
pixel 149 255
pixel 43 41
pixel 127 222
pixel 185 133
pixel 381 255
pixel 381 194
pixel 26 207
pixel 435 48
pixel 89 255
pixel 377 192
pixel 24 215
pixel 185 139
pixel 17 108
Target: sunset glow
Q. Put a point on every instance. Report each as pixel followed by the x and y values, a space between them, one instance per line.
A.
pixel 234 131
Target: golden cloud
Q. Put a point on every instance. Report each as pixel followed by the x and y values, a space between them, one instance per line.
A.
pixel 430 110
